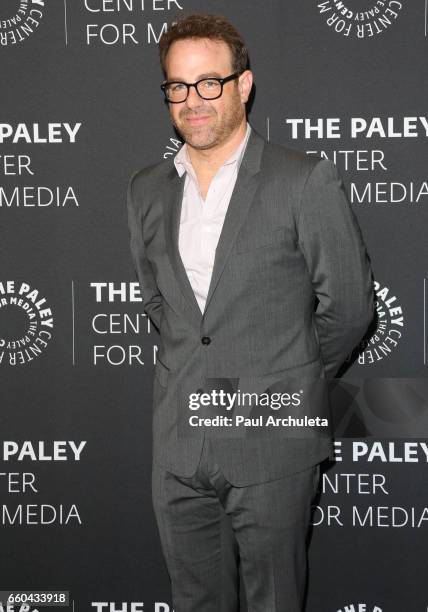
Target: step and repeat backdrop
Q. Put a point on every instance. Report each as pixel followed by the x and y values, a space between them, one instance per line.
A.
pixel 81 109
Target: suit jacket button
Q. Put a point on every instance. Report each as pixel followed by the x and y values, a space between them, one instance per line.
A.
pixel 205 339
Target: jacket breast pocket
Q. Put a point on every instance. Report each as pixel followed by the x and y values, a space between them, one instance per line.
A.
pixel 262 239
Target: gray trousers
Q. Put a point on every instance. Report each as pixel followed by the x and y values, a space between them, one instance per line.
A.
pixel 207 526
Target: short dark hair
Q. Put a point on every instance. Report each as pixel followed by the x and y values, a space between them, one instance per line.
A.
pixel 214 27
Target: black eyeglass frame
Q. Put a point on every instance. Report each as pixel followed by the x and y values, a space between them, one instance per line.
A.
pixel 222 81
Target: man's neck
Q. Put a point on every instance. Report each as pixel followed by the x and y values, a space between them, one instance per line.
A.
pixel 206 162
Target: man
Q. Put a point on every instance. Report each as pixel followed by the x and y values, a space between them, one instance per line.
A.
pixel 252 267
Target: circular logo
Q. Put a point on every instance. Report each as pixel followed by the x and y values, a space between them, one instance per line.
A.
pixel 390 323
pixel 172 148
pixel 19 19
pixel 22 608
pixel 26 323
pixel 360 607
pixel 359 18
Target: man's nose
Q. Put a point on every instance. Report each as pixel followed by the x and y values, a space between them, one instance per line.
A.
pixel 194 99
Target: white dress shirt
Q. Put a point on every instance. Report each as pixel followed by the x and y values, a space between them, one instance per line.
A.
pixel 202 220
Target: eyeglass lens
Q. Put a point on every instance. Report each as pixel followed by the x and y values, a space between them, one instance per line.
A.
pixel 207 89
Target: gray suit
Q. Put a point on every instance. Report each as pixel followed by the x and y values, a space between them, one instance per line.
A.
pixel 290 296
pixel 289 237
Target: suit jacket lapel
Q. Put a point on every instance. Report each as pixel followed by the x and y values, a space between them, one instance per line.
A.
pixel 172 212
pixel 242 197
pixel 239 205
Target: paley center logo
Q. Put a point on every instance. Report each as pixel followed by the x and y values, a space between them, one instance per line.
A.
pixel 360 607
pixel 389 329
pixel 19 19
pixel 172 148
pixel 21 608
pixel 359 18
pixel 26 323
pixel 8 607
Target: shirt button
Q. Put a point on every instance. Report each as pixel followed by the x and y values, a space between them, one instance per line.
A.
pixel 205 340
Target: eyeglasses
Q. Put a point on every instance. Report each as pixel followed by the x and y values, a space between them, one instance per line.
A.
pixel 208 89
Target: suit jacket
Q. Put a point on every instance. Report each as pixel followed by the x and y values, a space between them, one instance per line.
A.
pixel 291 295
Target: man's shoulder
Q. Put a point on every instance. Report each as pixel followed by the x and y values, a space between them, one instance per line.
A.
pixel 288 162
pixel 153 175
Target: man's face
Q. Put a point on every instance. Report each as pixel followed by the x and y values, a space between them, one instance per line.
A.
pixel 204 124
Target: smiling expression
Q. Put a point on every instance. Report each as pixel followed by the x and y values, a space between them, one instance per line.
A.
pixel 204 124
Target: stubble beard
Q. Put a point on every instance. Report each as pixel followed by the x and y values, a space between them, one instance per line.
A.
pixel 209 137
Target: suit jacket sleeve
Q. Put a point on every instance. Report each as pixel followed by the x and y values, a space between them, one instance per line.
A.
pixel 331 241
pixel 152 300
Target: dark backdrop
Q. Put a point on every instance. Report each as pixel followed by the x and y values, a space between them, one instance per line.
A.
pixel 76 351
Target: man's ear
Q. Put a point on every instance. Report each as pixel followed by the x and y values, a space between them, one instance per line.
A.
pixel 245 83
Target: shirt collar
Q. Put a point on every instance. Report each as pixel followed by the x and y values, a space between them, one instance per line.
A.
pixel 183 164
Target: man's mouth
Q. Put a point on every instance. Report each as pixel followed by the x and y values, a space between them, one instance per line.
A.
pixel 197 119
